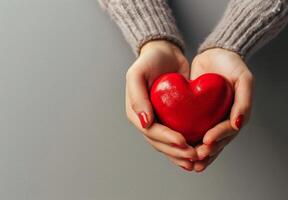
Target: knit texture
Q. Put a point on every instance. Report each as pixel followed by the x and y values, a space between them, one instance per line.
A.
pixel 144 20
pixel 247 25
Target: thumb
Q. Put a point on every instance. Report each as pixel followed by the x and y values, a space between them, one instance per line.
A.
pixel 242 101
pixel 137 90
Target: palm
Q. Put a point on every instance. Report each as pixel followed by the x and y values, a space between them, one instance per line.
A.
pixel 227 66
pixel 157 58
pixel 232 67
pixel 162 60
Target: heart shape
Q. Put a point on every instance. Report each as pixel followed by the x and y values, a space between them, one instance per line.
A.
pixel 191 107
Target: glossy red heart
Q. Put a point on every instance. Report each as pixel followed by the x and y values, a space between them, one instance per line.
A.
pixel 191 107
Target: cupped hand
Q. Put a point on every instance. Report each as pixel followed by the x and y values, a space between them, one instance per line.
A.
pixel 231 66
pixel 156 58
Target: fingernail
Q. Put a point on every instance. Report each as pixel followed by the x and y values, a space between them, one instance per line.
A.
pixel 239 121
pixel 181 146
pixel 186 168
pixel 143 119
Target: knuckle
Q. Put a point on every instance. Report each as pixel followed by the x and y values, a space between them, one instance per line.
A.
pixel 129 119
pixel 133 71
pixel 174 137
pixel 133 105
pixel 129 73
pixel 148 133
pixel 128 115
pixel 163 129
pixel 179 140
pixel 164 132
pixel 249 76
pixel 222 128
pixel 188 154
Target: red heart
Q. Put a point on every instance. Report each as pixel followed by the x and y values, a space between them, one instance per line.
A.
pixel 191 107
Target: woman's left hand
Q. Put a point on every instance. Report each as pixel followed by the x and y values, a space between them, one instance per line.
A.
pixel 231 66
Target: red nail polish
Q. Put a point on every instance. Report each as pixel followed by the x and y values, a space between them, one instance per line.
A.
pixel 239 121
pixel 143 119
pixel 186 168
pixel 182 146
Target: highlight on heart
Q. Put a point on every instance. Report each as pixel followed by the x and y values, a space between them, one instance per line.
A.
pixel 191 107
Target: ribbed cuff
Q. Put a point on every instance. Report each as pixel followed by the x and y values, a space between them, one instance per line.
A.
pixel 247 25
pixel 144 20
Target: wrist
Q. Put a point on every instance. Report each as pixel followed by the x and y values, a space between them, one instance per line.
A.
pixel 221 51
pixel 159 44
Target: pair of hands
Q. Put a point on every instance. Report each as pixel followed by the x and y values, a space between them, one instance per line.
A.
pixel 159 57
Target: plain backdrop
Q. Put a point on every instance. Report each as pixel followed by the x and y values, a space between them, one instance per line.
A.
pixel 63 129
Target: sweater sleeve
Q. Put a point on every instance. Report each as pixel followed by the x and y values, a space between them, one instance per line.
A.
pixel 247 25
pixel 143 20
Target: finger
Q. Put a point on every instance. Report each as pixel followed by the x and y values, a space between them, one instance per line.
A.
pixel 242 101
pixel 159 132
pixel 183 163
pixel 188 153
pixel 137 92
pixel 200 166
pixel 203 151
pixel 198 68
pixel 184 68
pixel 165 135
pixel 220 131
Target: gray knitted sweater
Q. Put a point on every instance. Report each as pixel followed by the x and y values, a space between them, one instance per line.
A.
pixel 245 26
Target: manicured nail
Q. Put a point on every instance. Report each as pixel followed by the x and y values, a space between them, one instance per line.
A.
pixel 181 146
pixel 186 168
pixel 239 121
pixel 143 119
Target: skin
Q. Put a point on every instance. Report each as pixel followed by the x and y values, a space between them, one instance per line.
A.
pixel 231 66
pixel 159 57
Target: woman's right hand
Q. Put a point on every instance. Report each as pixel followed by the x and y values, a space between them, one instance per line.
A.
pixel 156 58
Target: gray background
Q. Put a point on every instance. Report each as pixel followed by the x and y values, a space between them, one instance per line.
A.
pixel 63 130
